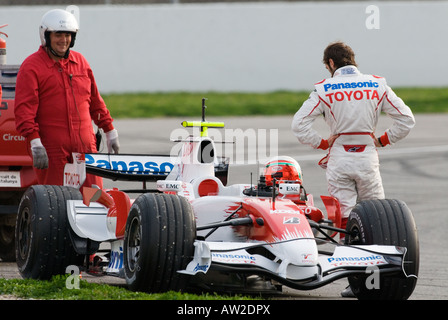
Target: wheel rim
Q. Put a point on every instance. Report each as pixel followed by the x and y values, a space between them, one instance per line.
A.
pixel 133 244
pixel 24 233
pixel 353 237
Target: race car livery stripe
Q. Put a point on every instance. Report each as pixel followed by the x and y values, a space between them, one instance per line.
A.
pixel 329 107
pixel 379 101
pixel 390 102
pixel 314 108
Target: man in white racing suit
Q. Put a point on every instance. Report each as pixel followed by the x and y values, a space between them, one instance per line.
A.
pixel 351 104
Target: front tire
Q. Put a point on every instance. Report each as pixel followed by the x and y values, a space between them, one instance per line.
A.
pixel 159 238
pixel 43 245
pixel 385 222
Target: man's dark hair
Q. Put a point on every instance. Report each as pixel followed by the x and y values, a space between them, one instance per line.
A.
pixel 341 54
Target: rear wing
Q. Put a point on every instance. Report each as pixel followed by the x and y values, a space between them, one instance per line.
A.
pixel 196 158
pixel 139 167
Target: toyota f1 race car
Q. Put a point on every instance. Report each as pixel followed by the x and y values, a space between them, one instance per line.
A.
pixel 194 230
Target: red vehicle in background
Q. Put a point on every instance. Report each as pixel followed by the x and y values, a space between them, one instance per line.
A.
pixel 16 164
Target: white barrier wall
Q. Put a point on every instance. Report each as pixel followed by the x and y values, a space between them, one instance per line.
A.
pixel 245 46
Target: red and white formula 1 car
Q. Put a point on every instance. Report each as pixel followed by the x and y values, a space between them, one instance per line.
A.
pixel 196 230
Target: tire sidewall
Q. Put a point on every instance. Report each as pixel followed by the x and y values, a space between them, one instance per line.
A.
pixel 49 249
pixel 167 232
pixel 358 221
pixel 25 263
pixel 132 276
pixel 385 222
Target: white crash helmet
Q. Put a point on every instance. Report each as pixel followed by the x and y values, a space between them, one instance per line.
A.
pixel 57 20
pixel 282 168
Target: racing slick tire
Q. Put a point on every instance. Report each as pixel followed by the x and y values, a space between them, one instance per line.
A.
pixel 385 222
pixel 159 241
pixel 43 245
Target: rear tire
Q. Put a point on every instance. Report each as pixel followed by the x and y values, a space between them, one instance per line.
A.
pixel 385 222
pixel 159 238
pixel 43 245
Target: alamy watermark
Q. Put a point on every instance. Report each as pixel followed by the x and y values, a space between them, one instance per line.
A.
pixel 373 18
pixel 72 281
pixel 373 281
pixel 249 146
pixel 74 10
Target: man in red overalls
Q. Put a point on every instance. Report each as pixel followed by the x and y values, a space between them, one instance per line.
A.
pixel 57 99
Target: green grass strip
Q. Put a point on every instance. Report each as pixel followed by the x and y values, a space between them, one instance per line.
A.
pixel 182 104
pixel 56 289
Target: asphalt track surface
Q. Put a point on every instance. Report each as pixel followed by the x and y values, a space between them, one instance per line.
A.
pixel 413 170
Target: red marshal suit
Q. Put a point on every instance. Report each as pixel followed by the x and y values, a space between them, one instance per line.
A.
pixel 56 102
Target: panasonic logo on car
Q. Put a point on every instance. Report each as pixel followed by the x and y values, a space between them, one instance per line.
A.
pixel 132 164
pixel 338 259
pixel 350 85
pixel 357 260
pixel 237 257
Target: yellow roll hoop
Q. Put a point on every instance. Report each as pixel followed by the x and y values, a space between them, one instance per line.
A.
pixel 204 125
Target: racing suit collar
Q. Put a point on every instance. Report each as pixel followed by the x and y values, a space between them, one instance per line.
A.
pixel 349 70
pixel 50 62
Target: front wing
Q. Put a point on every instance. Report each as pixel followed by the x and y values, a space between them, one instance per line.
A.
pixel 343 262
